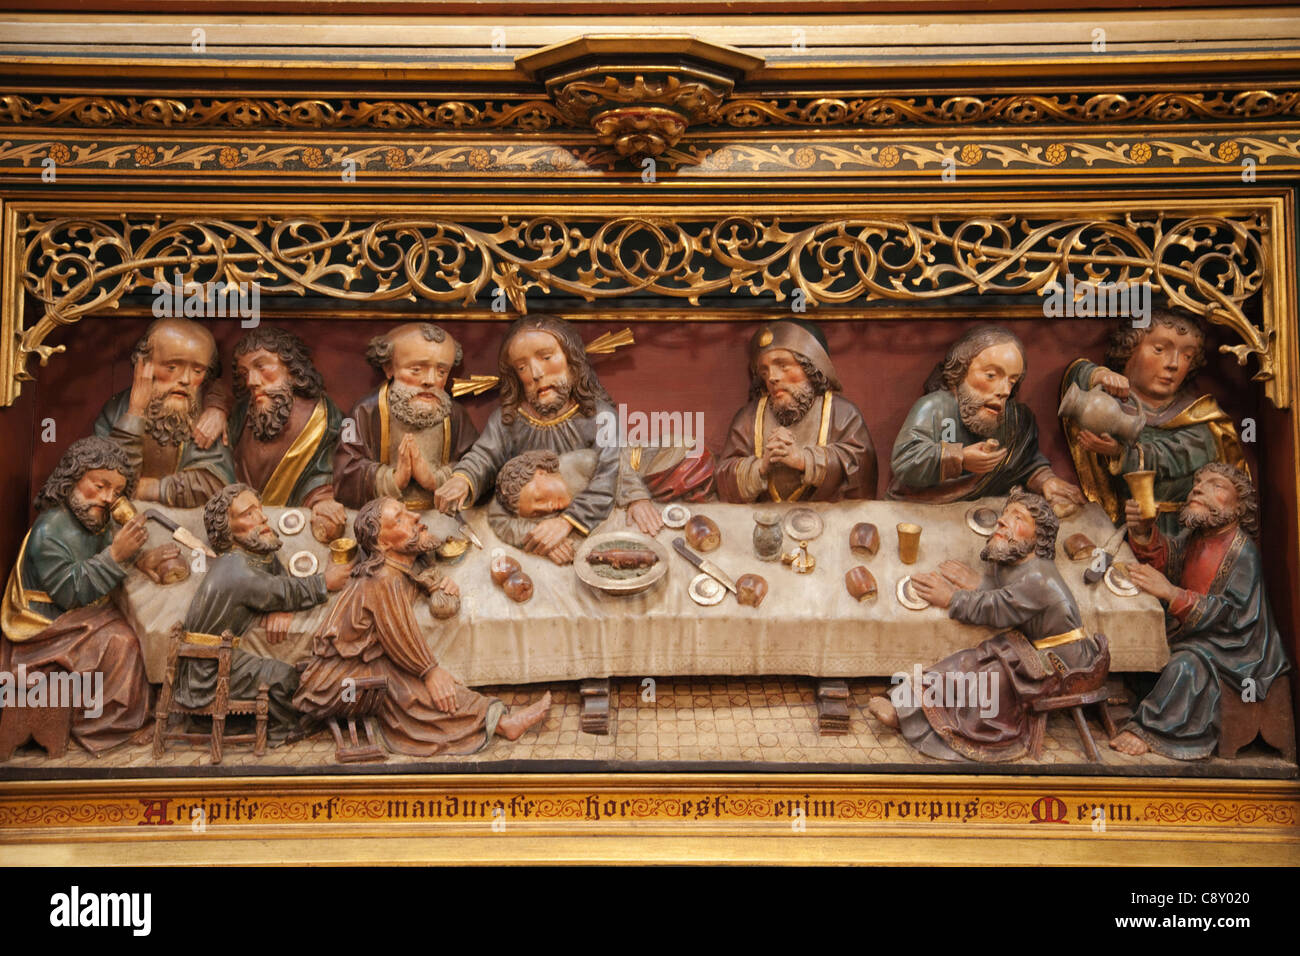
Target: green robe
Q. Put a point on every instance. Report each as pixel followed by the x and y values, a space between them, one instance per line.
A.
pixel 1189 432
pixel 192 475
pixel 64 566
pixel 926 459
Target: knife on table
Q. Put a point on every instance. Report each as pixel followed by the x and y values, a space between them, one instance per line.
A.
pixel 181 535
pixel 469 532
pixel 705 565
pixel 1091 575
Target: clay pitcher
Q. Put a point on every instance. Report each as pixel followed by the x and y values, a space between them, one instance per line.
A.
pixel 1100 412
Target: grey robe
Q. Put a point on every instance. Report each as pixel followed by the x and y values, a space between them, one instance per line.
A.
pixel 236 588
pixel 499 443
pixel 1032 598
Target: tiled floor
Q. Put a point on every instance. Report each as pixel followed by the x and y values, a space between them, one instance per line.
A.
pixel 765 722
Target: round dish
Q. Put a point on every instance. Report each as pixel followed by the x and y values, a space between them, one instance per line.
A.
pixel 627 583
pixel 909 598
pixel 291 522
pixel 706 591
pixel 676 516
pixel 802 524
pixel 1118 581
pixel 983 521
pixel 303 564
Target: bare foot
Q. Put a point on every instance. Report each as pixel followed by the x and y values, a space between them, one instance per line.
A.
pixel 1131 744
pixel 513 724
pixel 144 735
pixel 882 708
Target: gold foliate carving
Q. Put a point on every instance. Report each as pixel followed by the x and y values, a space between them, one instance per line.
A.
pixel 250 113
pixel 534 112
pixel 1207 265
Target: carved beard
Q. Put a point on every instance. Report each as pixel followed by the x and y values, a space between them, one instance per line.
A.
pixel 421 541
pixel 555 400
pixel 1006 552
pixel 400 403
pixel 969 406
pixel 84 511
pixel 167 427
pixel 1212 519
pixel 789 410
pixel 259 541
pixel 267 423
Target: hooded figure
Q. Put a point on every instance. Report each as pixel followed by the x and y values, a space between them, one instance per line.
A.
pixel 797 439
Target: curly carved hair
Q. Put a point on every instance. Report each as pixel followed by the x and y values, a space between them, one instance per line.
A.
pixel 379 350
pixel 1247 496
pixel 144 345
pixel 949 373
pixel 815 378
pixel 1124 338
pixel 83 455
pixel 216 517
pixel 1046 523
pixel 587 390
pixel 293 352
pixel 518 471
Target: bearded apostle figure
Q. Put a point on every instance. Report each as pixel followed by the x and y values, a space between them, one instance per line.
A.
pixel 1222 635
pixel 967 437
pixel 551 400
pixel 285 428
pixel 171 421
pixel 1041 641
pixel 798 438
pixel 372 632
pixel 409 431
pixel 57 614
pixel 1153 367
pixel 244 584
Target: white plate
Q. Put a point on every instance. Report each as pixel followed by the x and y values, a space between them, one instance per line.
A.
pixel 974 524
pixel 1120 585
pixel 706 590
pixel 676 516
pixel 802 524
pixel 292 521
pixel 909 598
pixel 303 564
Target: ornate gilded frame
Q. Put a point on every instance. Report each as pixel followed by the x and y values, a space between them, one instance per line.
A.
pixel 812 160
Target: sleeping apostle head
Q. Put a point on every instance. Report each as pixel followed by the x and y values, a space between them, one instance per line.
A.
pixel 417 359
pixel 172 362
pixel 531 486
pixel 92 474
pixel 234 517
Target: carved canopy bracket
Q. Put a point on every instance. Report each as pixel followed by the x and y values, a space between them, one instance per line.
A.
pixel 639 94
pixel 1215 266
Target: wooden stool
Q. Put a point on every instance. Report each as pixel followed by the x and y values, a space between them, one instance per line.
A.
pixel 49 727
pixel 370 693
pixel 221 705
pixel 1074 703
pixel 1270 718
